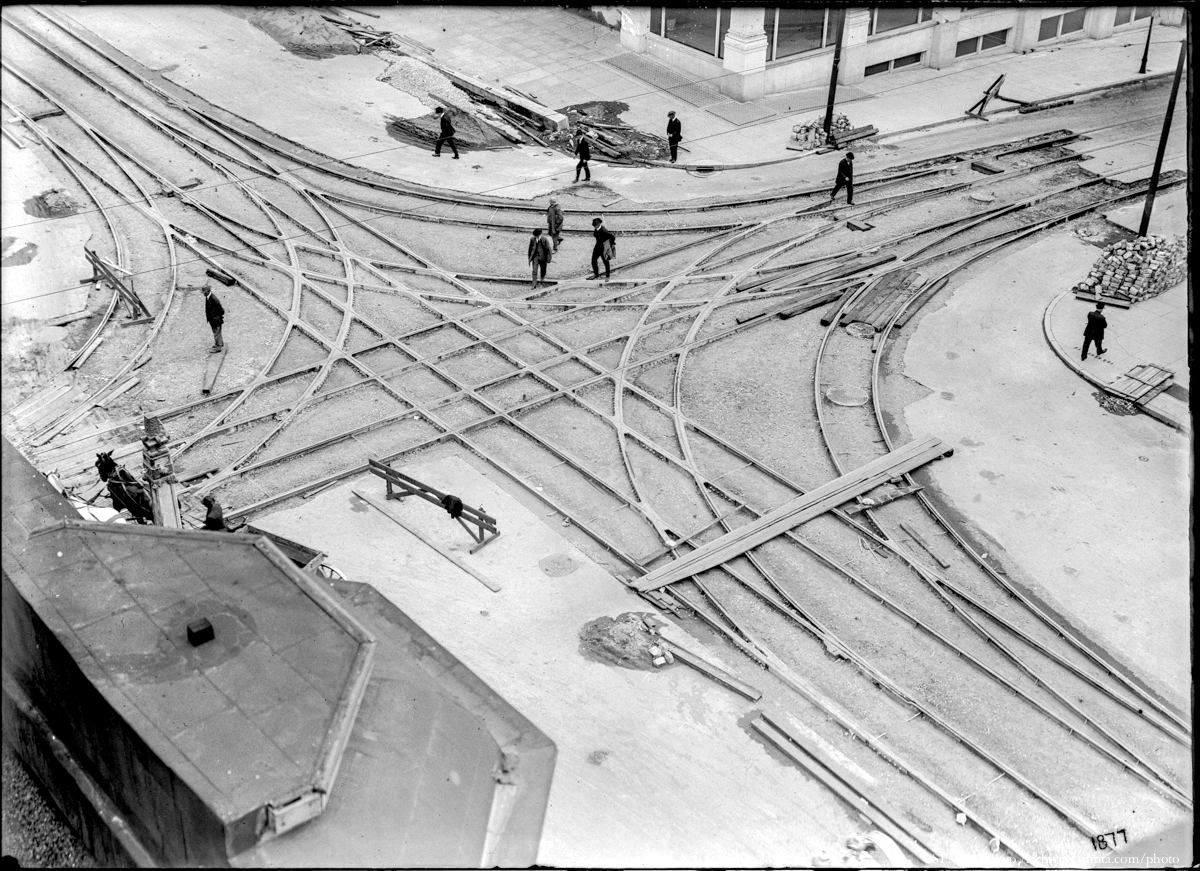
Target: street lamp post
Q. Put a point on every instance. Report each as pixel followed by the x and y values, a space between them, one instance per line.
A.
pixel 1162 140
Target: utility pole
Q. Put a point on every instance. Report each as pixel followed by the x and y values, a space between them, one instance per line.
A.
pixel 1162 140
pixel 837 57
pixel 1146 51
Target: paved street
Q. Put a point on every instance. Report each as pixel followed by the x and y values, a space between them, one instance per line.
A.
pixel 750 341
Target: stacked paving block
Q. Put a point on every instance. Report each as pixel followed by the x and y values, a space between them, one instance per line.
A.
pixel 811 134
pixel 1137 269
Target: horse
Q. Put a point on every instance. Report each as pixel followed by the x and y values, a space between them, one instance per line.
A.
pixel 125 491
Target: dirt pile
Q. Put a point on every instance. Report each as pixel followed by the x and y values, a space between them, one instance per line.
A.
pixel 299 29
pixel 626 141
pixel 623 641
pixel 54 203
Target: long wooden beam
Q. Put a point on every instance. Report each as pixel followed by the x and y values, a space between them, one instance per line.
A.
pixel 796 511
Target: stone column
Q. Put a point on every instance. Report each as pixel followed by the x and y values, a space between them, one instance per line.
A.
pixel 944 41
pixel 635 25
pixel 854 43
pixel 1098 21
pixel 745 54
pixel 1025 32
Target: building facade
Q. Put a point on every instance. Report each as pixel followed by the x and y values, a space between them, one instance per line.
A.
pixel 749 51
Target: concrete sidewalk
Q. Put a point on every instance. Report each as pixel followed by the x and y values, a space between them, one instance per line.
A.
pixel 1153 331
pixel 560 58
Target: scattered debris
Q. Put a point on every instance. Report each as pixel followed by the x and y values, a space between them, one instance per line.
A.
pixel 622 641
pixel 54 203
pixel 1114 404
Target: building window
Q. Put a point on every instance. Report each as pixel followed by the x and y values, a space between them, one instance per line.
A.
pixel 799 29
pixel 1061 25
pixel 1143 12
pixel 722 29
pixel 885 18
pixel 656 20
pixel 692 27
pixel 888 65
pixel 976 44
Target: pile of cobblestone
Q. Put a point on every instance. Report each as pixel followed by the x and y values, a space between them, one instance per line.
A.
pixel 1137 269
pixel 811 134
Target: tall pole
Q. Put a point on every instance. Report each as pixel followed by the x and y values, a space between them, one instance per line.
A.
pixel 837 57
pixel 1146 51
pixel 1162 140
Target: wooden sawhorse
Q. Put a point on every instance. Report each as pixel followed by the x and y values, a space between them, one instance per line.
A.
pixel 480 526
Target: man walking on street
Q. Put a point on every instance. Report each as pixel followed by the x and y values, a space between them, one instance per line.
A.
pixel 214 313
pixel 584 152
pixel 1094 331
pixel 605 249
pixel 845 178
pixel 447 133
pixel 539 255
pixel 554 222
pixel 674 135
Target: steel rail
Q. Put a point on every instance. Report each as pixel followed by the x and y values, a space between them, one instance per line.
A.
pixel 1061 630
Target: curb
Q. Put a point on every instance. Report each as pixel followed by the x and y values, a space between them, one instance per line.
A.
pixel 1087 376
pixel 721 167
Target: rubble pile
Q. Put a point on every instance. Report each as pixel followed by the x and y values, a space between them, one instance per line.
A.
pixel 811 134
pixel 1137 269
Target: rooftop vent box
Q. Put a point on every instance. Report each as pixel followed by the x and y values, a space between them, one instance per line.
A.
pixel 199 631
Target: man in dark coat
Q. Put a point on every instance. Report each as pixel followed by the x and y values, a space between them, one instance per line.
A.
pixel 605 249
pixel 584 152
pixel 554 222
pixel 1094 331
pixel 674 135
pixel 845 178
pixel 214 313
pixel 447 133
pixel 214 520
pixel 539 255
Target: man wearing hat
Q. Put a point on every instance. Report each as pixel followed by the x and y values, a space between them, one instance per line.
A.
pixel 214 313
pixel 674 135
pixel 845 179
pixel 554 222
pixel 1094 331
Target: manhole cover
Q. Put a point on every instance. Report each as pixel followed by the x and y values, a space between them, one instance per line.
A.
pixel 557 565
pixel 860 330
pixel 587 192
pixel 983 198
pixel 847 396
pixel 705 168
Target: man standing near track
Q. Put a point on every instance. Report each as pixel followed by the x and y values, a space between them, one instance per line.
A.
pixel 554 222
pixel 447 133
pixel 1094 331
pixel 214 313
pixel 584 152
pixel 539 255
pixel 845 178
pixel 674 135
pixel 605 249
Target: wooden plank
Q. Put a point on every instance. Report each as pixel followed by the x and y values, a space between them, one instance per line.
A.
pixel 379 506
pixel 38 400
pixel 827 318
pixel 63 320
pixel 212 370
pixel 891 497
pixel 1107 300
pixel 920 299
pixel 12 137
pixel 711 671
pixel 796 511
pixel 844 784
pixel 867 307
pixel 128 385
pixel 811 302
pixel 920 540
pixel 905 293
